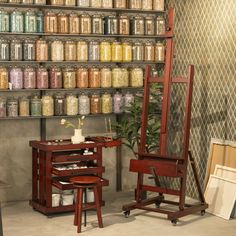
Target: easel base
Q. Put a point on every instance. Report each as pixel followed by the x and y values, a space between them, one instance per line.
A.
pixel 173 216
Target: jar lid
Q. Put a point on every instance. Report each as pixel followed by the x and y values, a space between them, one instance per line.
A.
pixel 97 16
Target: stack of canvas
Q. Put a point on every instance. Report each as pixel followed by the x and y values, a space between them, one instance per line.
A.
pixel 220 191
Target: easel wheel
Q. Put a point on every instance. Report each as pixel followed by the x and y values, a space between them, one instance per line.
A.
pixel 126 213
pixel 174 222
pixel 203 212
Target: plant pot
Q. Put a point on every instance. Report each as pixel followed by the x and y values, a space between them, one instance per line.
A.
pixel 78 137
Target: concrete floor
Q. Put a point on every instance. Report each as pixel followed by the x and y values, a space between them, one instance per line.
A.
pixel 20 220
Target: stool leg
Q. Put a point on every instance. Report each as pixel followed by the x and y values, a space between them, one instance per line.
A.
pixel 85 212
pixel 98 207
pixel 76 208
pixel 80 209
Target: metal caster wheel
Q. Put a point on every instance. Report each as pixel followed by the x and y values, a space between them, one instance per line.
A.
pixel 174 222
pixel 203 212
pixel 157 204
pixel 127 213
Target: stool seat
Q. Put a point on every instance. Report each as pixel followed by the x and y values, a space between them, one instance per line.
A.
pixel 85 180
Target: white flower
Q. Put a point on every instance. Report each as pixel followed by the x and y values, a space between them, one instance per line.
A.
pixel 63 121
pixel 82 117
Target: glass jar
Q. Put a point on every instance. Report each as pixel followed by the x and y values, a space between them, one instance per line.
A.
pixel 57 51
pixel 147 4
pixel 128 100
pixel 69 80
pixel 84 104
pixel 3 109
pixel 70 2
pixel 24 106
pixel 120 4
pixel 4 50
pixel 138 52
pixel 16 78
pixel 14 1
pixel 55 78
pixel 16 50
pixel 71 105
pixel 47 105
pixel 56 2
pixel 70 51
pixel 40 2
pixel 96 3
pixel 110 25
pixel 42 80
pixel 159 52
pixel 137 25
pixel 94 51
pixel 29 78
pixel 124 25
pixel 27 1
pixel 82 78
pixel 106 103
pixel 82 51
pixel 94 78
pixel 40 22
pixel 126 52
pixel 35 106
pixel 107 3
pixel 4 21
pixel 30 22
pixel 3 78
pixel 120 77
pixel 136 77
pixel 59 104
pixel 118 103
pixel 149 52
pixel 97 24
pixel 63 23
pixel 105 48
pixel 83 3
pixel 29 50
pixel 85 24
pixel 73 23
pixel 149 25
pixel 41 50
pixel 116 51
pixel 95 107
pixel 17 22
pixel 12 107
pixel 106 77
pixel 135 4
pixel 158 5
pixel 160 26
pixel 50 22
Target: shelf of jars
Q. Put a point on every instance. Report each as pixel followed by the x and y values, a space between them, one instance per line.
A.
pixel 141 6
pixel 83 63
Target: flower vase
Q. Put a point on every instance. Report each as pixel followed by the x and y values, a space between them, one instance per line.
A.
pixel 78 137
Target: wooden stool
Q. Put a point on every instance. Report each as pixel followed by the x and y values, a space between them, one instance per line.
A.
pixel 82 183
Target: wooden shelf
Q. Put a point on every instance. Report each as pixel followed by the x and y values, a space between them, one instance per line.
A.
pixel 77 8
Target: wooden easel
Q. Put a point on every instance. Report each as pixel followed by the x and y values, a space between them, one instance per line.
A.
pixel 161 163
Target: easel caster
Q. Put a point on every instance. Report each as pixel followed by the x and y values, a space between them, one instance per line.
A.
pixel 174 222
pixel 157 204
pixel 203 212
pixel 126 213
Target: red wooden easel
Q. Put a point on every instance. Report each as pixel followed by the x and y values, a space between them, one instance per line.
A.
pixel 161 163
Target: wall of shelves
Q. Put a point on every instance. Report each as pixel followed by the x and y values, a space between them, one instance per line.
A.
pixel 48 127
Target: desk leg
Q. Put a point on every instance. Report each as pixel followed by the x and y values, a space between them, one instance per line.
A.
pixel 35 177
pixel 48 180
pixel 41 177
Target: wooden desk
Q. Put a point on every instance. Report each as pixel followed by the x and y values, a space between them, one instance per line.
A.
pixel 49 156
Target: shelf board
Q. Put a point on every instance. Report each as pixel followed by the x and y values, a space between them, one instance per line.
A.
pixel 83 35
pixel 72 89
pixel 77 8
pixel 79 62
